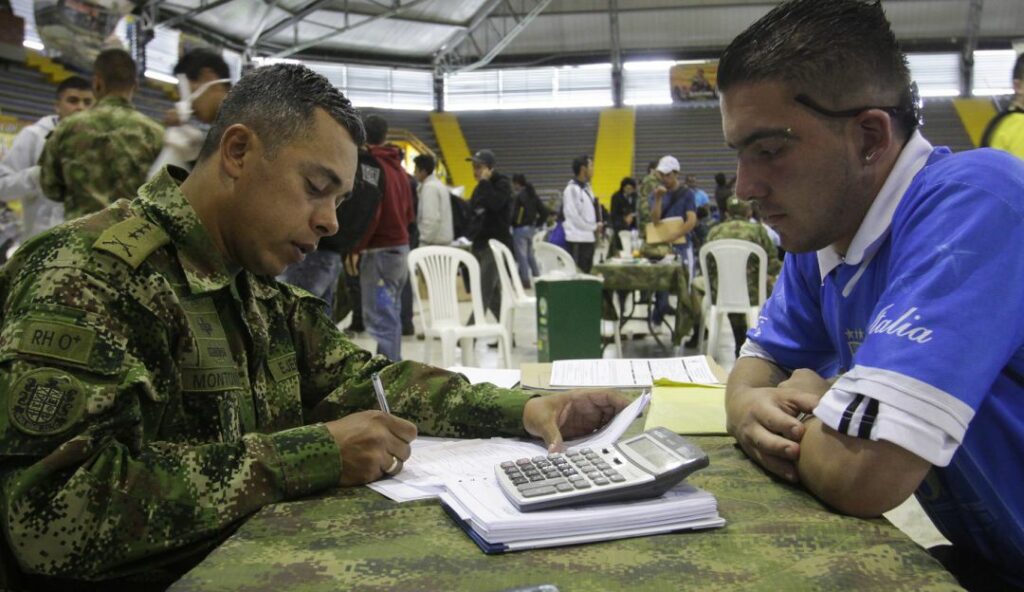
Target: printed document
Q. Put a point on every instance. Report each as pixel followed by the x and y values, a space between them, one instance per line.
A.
pixel 631 372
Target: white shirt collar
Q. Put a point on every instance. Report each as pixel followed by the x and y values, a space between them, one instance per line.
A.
pixel 875 225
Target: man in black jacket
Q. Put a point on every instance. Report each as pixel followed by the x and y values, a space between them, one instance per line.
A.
pixel 491 206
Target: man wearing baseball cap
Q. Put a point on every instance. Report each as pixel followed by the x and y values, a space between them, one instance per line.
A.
pixel 672 199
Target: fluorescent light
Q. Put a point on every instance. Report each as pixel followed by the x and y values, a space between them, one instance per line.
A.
pixel 33 45
pixel 992 92
pixel 940 92
pixel 161 77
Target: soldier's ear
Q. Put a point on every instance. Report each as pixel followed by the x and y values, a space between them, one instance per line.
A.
pixel 235 144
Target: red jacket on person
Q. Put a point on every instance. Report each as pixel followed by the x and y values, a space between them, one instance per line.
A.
pixel 390 227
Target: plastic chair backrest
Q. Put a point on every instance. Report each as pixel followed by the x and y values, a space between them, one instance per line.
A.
pixel 507 264
pixel 730 256
pixel 626 239
pixel 440 269
pixel 554 258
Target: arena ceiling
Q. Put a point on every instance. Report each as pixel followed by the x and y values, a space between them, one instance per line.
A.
pixel 465 34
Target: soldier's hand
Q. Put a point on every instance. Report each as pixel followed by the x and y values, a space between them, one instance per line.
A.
pixel 570 414
pixel 371 443
pixel 768 430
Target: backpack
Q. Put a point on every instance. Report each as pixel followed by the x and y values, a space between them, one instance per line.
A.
pixel 460 215
pixel 356 214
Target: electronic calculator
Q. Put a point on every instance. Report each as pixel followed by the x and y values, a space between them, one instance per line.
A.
pixel 638 467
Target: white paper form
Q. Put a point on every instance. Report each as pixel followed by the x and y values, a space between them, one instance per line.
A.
pixel 630 372
pixel 437 464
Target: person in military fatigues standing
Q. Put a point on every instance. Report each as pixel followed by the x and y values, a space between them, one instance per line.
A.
pixel 99 156
pixel 739 226
pixel 158 386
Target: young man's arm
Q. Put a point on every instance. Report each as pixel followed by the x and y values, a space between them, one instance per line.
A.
pixel 856 476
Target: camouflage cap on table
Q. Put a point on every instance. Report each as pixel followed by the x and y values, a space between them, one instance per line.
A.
pixel 777 538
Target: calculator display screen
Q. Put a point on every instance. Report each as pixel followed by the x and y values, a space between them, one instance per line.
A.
pixel 656 455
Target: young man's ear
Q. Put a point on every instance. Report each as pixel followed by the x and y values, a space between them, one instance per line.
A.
pixel 237 141
pixel 876 134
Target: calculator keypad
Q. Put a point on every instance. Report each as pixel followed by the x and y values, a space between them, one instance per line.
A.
pixel 560 473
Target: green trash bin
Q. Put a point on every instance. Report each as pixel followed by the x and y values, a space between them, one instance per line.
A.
pixel 568 318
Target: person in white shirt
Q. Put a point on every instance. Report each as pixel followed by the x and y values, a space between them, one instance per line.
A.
pixel 435 212
pixel 19 169
pixel 582 225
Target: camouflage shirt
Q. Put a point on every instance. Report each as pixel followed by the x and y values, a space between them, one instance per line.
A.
pixel 150 397
pixel 643 206
pixel 755 233
pixel 99 156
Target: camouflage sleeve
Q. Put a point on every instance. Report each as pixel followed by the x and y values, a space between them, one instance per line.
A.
pixel 91 486
pixel 51 173
pixel 336 382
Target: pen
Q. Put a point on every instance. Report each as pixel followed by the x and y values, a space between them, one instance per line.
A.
pixel 382 398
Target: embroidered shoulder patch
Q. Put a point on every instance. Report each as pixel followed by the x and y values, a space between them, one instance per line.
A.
pixel 132 240
pixel 45 401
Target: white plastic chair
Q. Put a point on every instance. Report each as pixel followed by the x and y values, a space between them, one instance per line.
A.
pixel 439 267
pixel 513 296
pixel 552 258
pixel 731 295
pixel 626 240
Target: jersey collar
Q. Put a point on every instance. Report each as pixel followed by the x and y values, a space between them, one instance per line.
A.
pixel 875 226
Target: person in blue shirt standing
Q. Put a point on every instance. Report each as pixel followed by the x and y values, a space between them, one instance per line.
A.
pixel 889 360
pixel 672 199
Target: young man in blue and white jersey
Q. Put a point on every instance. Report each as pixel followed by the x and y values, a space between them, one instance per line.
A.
pixel 898 321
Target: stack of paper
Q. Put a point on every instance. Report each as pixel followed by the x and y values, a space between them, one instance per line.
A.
pixel 496 526
pixel 461 473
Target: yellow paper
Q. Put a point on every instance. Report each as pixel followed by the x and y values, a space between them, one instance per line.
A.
pixel 690 409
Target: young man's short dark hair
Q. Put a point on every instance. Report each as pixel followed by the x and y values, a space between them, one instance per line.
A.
pixel 425 162
pixel 192 63
pixel 720 178
pixel 1018 68
pixel 376 129
pixel 578 163
pixel 652 165
pixel 73 83
pixel 278 102
pixel 830 51
pixel 117 69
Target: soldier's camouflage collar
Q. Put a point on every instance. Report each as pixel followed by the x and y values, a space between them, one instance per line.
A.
pixel 162 201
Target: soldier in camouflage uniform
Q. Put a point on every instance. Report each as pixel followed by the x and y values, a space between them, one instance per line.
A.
pixel 157 385
pixel 643 206
pixel 739 226
pixel 101 155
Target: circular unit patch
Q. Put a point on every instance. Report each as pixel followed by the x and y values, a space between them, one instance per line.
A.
pixel 45 401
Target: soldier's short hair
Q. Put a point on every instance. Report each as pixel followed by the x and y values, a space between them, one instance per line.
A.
pixel 1018 68
pixel 73 83
pixel 117 69
pixel 278 102
pixel 192 63
pixel 832 50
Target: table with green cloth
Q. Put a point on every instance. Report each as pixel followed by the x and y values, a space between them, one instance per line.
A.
pixel 650 278
pixel 777 538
